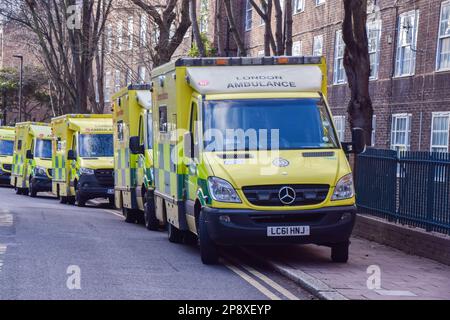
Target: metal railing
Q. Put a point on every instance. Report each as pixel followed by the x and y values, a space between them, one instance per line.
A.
pixel 411 188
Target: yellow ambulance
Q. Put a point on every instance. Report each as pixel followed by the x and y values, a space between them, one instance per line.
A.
pixel 83 158
pixel 133 157
pixel 6 154
pixel 246 153
pixel 32 160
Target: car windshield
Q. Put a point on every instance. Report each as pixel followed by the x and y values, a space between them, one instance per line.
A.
pixel 43 149
pixel 262 124
pixel 6 147
pixel 96 145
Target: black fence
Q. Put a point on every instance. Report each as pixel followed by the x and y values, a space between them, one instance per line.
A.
pixel 411 188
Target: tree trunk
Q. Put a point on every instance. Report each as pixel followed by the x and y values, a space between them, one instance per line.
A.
pixel 279 28
pixel 219 29
pixel 357 66
pixel 234 30
pixel 195 30
pixel 288 27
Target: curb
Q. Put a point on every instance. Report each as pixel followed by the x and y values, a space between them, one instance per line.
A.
pixel 313 285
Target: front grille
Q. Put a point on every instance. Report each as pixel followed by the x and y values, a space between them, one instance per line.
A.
pixel 105 177
pixel 7 167
pixel 287 218
pixel 268 196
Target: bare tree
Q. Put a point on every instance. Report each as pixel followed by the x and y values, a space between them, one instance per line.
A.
pixel 357 66
pixel 195 29
pixel 171 24
pixel 235 31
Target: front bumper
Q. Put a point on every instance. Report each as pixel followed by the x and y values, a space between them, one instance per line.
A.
pixel 249 227
pixel 90 188
pixel 42 184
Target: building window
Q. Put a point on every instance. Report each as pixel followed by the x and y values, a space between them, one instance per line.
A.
pixel 130 32
pixel 261 53
pixel 443 53
pixel 318 46
pixel 339 124
pixel 117 81
pixel 319 2
pixel 374 37
pixel 109 39
pixel 299 6
pixel 142 74
pixel 405 63
pixel 297 48
pixel 440 131
pixel 119 35
pixel 400 132
pixel 128 77
pixel 143 31
pixel 339 71
pixel 204 14
pixel 248 16
pixel 108 86
pixel 374 130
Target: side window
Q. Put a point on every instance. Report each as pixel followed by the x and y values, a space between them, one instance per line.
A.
pixel 120 131
pixel 19 145
pixel 149 131
pixel 141 130
pixel 74 144
pixel 194 119
pixel 32 146
pixel 59 145
pixel 163 125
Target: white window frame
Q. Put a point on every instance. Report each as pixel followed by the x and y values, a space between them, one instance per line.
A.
pixel 442 37
pixel 297 46
pixel 142 73
pixel 440 115
pixel 204 17
pixel 319 2
pixel 143 30
pixel 377 25
pixel 248 16
pixel 130 32
pixel 338 59
pixel 117 80
pixel 317 39
pixel 402 47
pixel 109 38
pixel 339 124
pixel 299 6
pixel 119 35
pixel 107 92
pixel 394 130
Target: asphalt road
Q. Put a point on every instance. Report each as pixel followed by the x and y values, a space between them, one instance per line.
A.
pixel 54 251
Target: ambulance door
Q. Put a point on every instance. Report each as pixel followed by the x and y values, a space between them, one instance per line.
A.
pixel 192 166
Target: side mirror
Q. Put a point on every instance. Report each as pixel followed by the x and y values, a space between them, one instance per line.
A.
pixel 135 146
pixel 188 150
pixel 71 155
pixel 30 155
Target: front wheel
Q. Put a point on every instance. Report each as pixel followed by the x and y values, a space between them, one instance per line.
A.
pixel 151 222
pixel 175 234
pixel 63 200
pixel 208 249
pixel 339 252
pixel 81 201
pixel 33 192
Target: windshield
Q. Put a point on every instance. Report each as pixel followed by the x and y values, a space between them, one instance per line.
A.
pixel 43 149
pixel 276 124
pixel 96 145
pixel 6 147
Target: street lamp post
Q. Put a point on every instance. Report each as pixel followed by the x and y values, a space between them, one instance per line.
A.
pixel 20 86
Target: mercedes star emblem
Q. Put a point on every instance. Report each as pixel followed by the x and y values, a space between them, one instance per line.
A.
pixel 287 195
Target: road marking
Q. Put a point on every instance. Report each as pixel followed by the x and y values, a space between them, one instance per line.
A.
pixel 6 219
pixel 285 292
pixel 2 252
pixel 116 213
pixel 252 281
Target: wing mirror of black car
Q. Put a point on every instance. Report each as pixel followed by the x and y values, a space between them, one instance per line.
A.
pixel 358 144
pixel 71 155
pixel 30 155
pixel 135 145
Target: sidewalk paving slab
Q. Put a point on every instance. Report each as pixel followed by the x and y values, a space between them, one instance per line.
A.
pixel 403 276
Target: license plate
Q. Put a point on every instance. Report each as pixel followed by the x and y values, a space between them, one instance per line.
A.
pixel 110 191
pixel 292 231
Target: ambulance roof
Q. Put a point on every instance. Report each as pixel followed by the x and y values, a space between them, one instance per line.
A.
pixel 89 125
pixel 7 133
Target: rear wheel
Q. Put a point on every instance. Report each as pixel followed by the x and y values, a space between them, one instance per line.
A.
pixel 71 200
pixel 151 222
pixel 339 252
pixel 208 249
pixel 175 234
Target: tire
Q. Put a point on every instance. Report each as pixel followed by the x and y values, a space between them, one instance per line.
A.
pixel 112 202
pixel 339 252
pixel 18 191
pixel 81 201
pixel 25 191
pixel 190 239
pixel 33 192
pixel 151 222
pixel 208 249
pixel 175 235
pixel 130 215
pixel 63 200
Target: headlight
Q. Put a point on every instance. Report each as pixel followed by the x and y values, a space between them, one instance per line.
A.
pixel 344 188
pixel 86 171
pixel 40 171
pixel 222 191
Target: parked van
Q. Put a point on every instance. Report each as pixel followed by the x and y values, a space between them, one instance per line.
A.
pixel 246 153
pixel 83 158
pixel 133 145
pixel 6 154
pixel 32 161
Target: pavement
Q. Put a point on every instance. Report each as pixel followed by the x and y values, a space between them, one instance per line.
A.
pixel 374 272
pixel 54 251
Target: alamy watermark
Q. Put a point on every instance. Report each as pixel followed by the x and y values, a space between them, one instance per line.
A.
pixel 74 277
pixel 74 17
